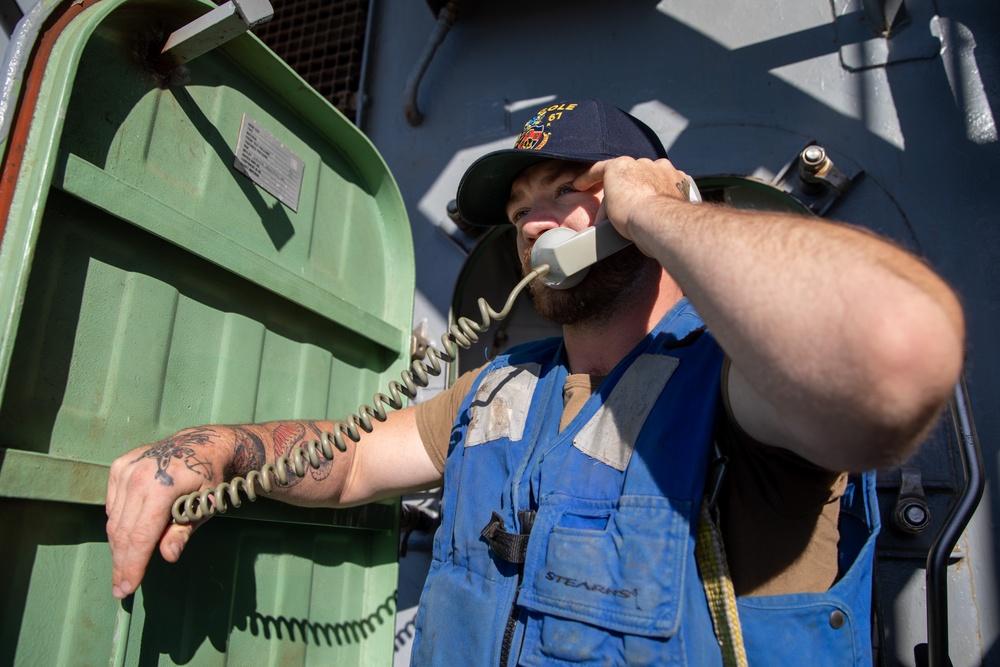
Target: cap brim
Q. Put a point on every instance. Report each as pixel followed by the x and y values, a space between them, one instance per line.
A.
pixel 484 190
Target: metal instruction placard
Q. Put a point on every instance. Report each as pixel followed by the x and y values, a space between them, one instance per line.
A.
pixel 268 163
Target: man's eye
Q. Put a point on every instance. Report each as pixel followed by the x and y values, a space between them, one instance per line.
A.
pixel 564 189
pixel 517 215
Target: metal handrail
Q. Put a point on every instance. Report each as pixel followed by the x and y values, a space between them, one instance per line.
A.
pixel 944 543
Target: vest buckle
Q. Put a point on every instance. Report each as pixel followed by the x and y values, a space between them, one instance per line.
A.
pixel 510 547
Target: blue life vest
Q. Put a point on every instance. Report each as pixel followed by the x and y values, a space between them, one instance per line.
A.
pixel 609 574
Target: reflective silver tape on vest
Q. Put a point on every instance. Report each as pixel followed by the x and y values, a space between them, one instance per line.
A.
pixel 500 408
pixel 611 433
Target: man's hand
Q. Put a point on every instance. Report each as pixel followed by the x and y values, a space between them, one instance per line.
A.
pixel 633 187
pixel 143 486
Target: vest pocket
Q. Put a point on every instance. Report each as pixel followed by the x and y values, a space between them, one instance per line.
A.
pixel 598 572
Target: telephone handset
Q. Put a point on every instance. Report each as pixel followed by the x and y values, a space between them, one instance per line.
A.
pixel 569 254
pixel 565 260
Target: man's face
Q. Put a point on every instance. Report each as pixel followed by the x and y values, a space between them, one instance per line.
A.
pixel 543 198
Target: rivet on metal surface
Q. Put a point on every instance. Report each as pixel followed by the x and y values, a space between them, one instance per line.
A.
pixel 837 619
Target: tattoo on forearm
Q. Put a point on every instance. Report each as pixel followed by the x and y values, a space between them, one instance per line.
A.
pixel 315 429
pixel 685 188
pixel 287 435
pixel 179 447
pixel 248 453
pixel 325 467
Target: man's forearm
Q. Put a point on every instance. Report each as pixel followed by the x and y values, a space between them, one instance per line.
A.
pixel 322 485
pixel 144 483
pixel 823 319
pixel 224 452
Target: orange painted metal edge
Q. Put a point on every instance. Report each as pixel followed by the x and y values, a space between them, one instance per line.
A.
pixel 25 110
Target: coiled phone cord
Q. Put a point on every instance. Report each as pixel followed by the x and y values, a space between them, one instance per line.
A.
pixel 465 332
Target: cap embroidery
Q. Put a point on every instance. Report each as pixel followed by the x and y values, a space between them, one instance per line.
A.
pixel 537 131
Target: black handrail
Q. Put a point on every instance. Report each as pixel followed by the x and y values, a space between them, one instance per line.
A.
pixel 944 543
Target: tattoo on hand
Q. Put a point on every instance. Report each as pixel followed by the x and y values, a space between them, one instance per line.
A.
pixel 179 447
pixel 685 188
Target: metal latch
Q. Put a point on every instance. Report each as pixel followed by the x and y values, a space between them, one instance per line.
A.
pixel 215 29
pixel 911 515
pixel 813 180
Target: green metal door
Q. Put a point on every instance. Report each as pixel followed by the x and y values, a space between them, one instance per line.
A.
pixel 146 285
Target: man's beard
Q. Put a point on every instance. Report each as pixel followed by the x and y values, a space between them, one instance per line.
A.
pixel 613 286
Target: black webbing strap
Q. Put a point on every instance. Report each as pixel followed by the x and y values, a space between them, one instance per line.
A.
pixel 511 547
pixel 716 472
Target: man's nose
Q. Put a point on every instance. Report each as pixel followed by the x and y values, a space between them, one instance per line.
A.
pixel 537 222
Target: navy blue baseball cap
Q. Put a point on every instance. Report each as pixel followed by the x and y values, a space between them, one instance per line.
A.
pixel 582 131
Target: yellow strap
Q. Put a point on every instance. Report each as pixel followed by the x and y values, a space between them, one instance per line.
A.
pixel 711 557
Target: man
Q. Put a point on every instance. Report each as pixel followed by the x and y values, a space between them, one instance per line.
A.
pixel 575 469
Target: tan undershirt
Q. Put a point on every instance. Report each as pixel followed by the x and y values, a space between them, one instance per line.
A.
pixel 778 512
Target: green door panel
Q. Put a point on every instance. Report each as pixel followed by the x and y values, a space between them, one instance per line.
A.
pixel 146 285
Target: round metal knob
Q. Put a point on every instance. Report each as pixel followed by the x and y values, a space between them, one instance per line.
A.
pixel 911 516
pixel 813 157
